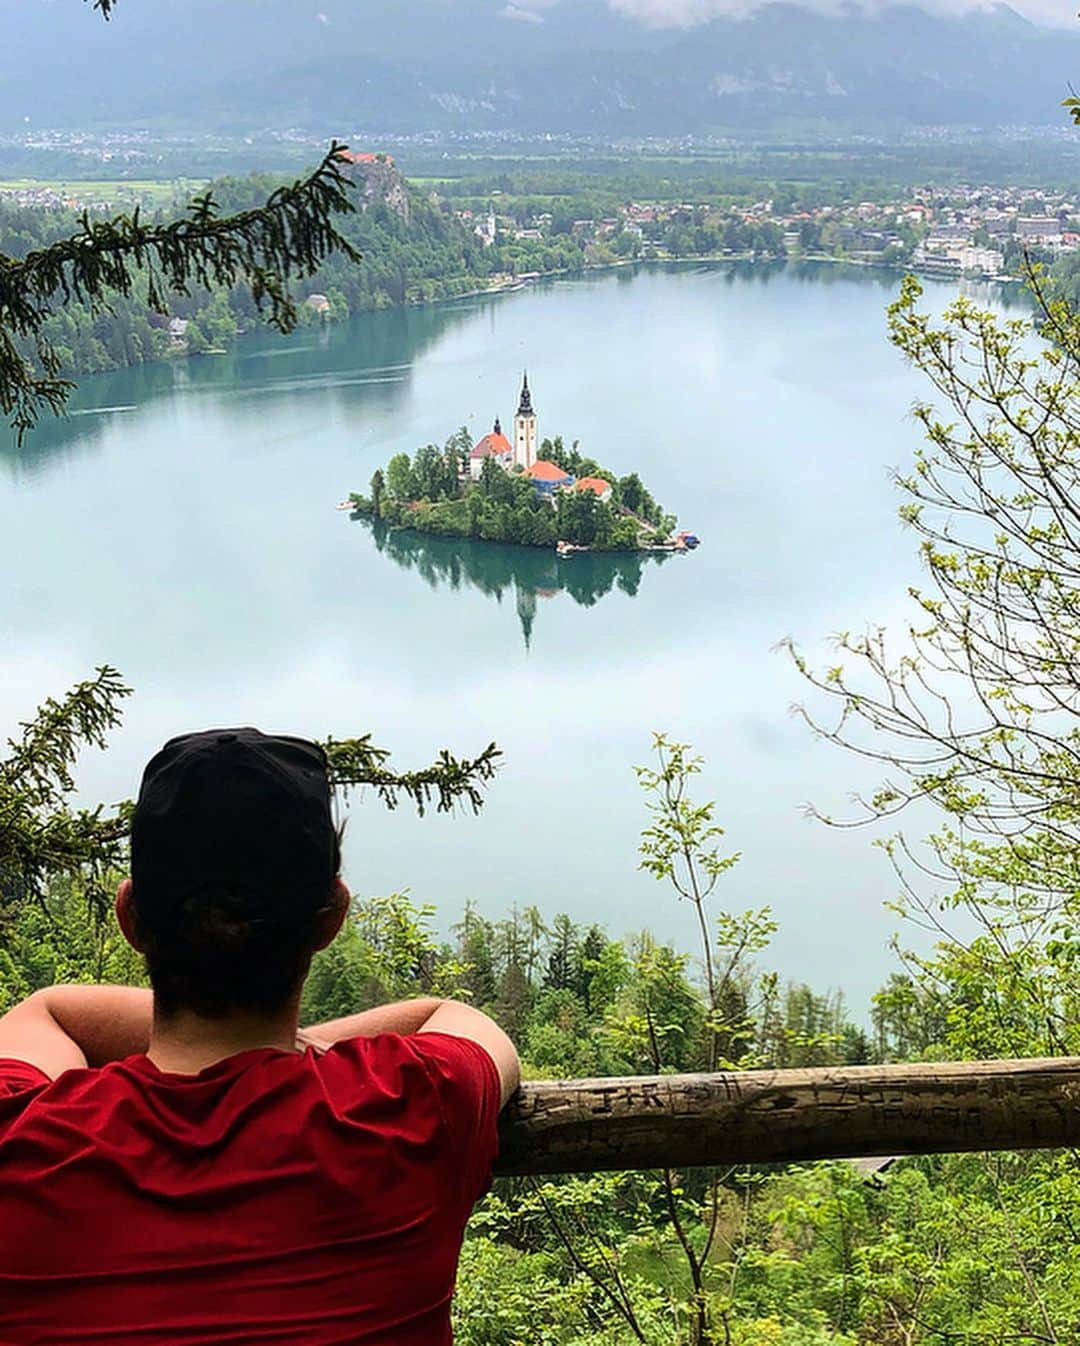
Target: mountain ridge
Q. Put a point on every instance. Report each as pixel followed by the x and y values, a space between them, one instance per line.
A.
pixel 463 68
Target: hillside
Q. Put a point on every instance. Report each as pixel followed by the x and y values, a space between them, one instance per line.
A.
pixel 413 251
pixel 415 65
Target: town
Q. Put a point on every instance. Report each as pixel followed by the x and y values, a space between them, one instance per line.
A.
pixel 981 232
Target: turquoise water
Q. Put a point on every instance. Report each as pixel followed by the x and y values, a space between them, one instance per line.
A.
pixel 181 526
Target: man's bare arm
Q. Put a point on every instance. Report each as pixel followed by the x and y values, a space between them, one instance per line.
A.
pixel 406 1016
pixel 69 1027
pixel 427 1016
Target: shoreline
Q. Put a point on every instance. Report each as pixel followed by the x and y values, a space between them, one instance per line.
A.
pixel 711 259
pixel 533 548
pixel 533 278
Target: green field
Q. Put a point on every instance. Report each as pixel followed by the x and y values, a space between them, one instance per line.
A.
pixel 144 191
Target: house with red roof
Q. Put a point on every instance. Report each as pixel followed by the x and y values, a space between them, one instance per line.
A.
pixel 496 446
pixel 549 477
pixel 599 487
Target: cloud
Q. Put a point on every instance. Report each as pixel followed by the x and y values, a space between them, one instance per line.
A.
pixel 690 13
pixel 527 11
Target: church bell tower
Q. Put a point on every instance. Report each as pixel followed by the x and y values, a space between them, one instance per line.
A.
pixel 525 429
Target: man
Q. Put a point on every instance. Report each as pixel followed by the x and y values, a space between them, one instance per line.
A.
pixel 183 1165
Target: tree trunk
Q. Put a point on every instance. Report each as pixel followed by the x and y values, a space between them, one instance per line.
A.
pixel 771 1116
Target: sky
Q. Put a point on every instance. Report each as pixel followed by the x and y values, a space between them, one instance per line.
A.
pixel 687 13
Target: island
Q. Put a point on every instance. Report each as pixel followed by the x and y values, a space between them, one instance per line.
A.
pixel 535 495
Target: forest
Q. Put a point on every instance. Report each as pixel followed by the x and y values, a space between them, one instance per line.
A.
pixel 416 252
pixel 427 256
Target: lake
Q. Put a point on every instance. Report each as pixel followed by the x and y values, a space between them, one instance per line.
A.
pixel 181 526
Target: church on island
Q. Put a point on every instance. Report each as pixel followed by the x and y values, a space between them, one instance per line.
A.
pixel 521 455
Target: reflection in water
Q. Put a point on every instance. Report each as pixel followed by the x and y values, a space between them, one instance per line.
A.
pixel 986 294
pixel 362 365
pixel 534 573
pixel 365 364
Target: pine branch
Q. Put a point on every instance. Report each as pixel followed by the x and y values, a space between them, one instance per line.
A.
pixel 357 762
pixel 41 837
pixel 264 248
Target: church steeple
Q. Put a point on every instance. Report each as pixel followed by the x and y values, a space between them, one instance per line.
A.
pixel 525 429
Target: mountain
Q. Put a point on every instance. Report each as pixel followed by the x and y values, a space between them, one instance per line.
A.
pixel 381 66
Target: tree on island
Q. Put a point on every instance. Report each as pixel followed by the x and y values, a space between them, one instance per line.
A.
pixel 433 492
pixel 378 489
pixel 401 482
pixel 633 493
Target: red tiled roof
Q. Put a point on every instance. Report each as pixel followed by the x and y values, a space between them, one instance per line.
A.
pixel 351 158
pixel 595 484
pixel 492 444
pixel 542 470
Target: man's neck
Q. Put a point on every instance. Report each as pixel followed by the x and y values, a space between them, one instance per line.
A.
pixel 185 1043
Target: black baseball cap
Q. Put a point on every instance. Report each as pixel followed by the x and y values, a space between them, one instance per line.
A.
pixel 238 812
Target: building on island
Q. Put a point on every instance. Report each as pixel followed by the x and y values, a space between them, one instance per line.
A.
pixel 549 478
pixel 521 453
pixel 519 456
pixel 525 429
pixel 496 446
pixel 599 487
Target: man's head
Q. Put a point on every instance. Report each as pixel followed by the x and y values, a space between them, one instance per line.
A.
pixel 234 864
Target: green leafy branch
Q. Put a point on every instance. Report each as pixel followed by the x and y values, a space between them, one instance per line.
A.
pixel 264 248
pixel 448 781
pixel 42 837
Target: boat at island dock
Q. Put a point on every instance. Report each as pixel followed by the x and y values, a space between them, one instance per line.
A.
pixel 677 542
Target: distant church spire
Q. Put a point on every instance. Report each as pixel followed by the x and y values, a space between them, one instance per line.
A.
pixel 525 430
pixel 526 407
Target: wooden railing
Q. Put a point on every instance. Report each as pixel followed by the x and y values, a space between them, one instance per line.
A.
pixel 773 1116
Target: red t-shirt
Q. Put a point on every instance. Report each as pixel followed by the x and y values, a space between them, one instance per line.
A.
pixel 273 1197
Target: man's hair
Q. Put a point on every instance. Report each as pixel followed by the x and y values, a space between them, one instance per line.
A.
pixel 216 951
pixel 234 854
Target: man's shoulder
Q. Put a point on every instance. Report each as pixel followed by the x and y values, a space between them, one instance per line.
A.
pixel 28 1094
pixel 453 1074
pixel 20 1081
pixel 436 1055
pixel 440 1054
